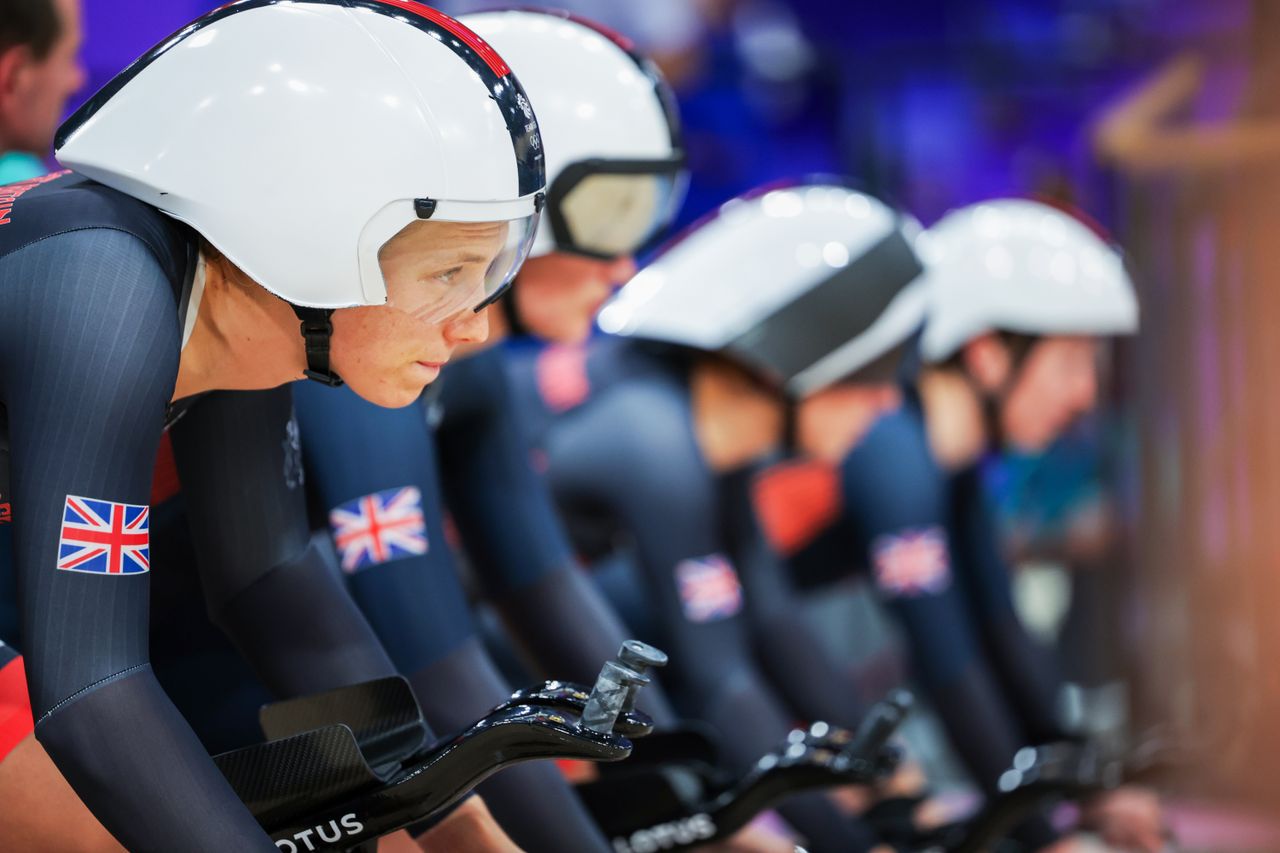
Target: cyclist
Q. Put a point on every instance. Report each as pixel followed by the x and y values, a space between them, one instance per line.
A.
pixel 176 261
pixel 615 175
pixel 1022 297
pixel 792 298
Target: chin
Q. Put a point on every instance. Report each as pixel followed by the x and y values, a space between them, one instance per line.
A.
pixel 575 334
pixel 388 395
pixel 1034 443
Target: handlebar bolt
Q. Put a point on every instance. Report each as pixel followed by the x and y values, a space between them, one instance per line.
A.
pixel 640 657
pixel 612 688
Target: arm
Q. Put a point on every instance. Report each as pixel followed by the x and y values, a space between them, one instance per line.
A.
pixel 407 585
pixel 405 580
pixel 273 590
pixel 793 656
pixel 896 501
pixel 513 535
pixel 89 351
pixel 1027 670
pixel 632 453
pixel 895 498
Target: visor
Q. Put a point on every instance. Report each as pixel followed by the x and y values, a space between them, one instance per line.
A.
pixel 435 259
pixel 610 208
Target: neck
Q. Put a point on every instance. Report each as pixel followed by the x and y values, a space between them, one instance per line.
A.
pixel 734 419
pixel 244 338
pixel 953 418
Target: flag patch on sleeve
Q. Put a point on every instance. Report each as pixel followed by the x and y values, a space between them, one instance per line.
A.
pixel 709 588
pixel 913 562
pixel 378 528
pixel 104 537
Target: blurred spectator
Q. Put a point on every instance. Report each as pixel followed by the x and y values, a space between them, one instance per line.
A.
pixel 39 71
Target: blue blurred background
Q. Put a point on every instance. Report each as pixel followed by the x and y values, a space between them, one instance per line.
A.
pixel 934 103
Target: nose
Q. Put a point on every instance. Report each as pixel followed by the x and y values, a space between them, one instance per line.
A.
pixel 1087 390
pixel 468 327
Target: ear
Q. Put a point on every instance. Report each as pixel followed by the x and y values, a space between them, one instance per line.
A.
pixel 987 360
pixel 13 65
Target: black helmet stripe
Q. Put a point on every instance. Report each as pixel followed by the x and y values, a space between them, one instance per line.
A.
pixel 823 319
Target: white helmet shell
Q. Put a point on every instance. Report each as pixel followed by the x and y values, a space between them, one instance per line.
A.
pixel 1020 266
pixel 298 136
pixel 808 283
pixel 599 102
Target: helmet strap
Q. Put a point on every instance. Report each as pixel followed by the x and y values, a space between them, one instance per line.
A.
pixel 992 402
pixel 317 330
pixel 790 424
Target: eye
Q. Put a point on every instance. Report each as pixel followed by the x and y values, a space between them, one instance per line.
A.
pixel 448 275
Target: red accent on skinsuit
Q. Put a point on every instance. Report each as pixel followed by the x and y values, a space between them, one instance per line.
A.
pixel 795 501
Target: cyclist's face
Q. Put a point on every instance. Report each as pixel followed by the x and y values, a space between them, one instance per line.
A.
pixel 389 353
pixel 1057 384
pixel 834 421
pixel 558 295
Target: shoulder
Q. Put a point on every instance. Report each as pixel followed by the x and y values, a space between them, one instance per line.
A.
pixel 97 295
pixel 639 431
pixel 892 475
pixel 644 414
pixel 64 203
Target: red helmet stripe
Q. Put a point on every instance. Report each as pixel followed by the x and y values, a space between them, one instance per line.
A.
pixel 490 56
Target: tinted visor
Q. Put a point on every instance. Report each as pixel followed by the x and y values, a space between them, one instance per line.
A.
pixel 611 208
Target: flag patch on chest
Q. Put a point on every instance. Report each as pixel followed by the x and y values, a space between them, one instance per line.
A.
pixel 104 537
pixel 378 528
pixel 913 562
pixel 709 588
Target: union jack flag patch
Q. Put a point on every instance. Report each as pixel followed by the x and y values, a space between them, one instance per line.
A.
pixel 709 588
pixel 914 562
pixel 104 537
pixel 379 528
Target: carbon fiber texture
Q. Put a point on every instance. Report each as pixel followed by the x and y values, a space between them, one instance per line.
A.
pixel 382 714
pixel 289 779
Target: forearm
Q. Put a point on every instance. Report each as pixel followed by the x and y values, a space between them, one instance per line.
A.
pixel 300 630
pixel 135 763
pixel 267 584
pixel 567 628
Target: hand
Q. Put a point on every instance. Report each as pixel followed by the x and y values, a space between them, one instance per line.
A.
pixel 1127 818
pixel 908 780
pixel 470 829
pixel 756 837
pixel 852 799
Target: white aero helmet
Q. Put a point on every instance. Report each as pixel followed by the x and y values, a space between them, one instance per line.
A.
pixel 299 136
pixel 808 284
pixel 615 160
pixel 1020 266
